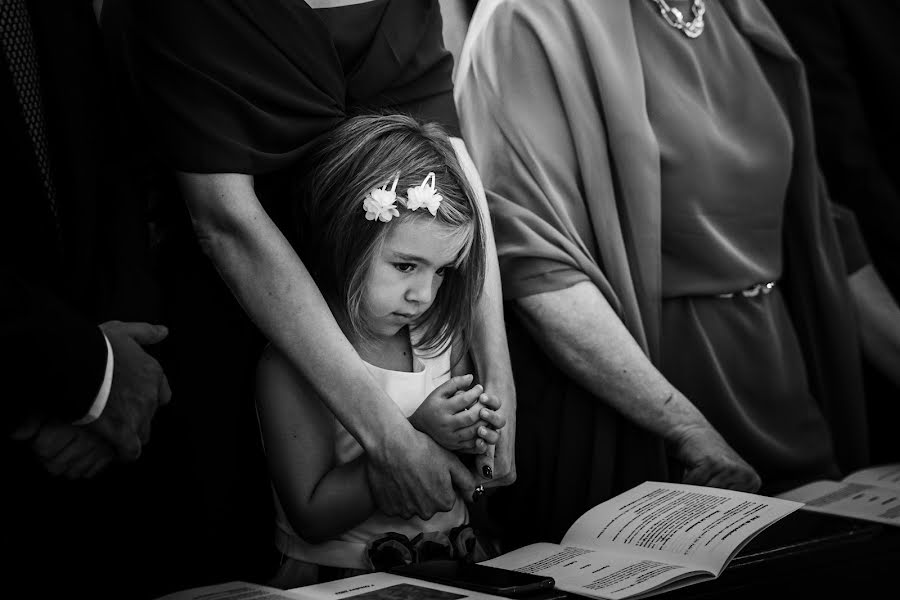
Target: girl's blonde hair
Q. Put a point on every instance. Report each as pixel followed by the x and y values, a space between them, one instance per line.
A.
pixel 338 244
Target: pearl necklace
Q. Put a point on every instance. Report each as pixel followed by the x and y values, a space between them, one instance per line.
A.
pixel 673 17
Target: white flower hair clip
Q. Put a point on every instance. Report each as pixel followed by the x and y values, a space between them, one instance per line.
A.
pixel 379 203
pixel 425 195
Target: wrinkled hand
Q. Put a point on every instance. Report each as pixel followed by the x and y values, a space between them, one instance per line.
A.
pixel 459 418
pixel 139 387
pixel 410 475
pixel 709 461
pixel 67 450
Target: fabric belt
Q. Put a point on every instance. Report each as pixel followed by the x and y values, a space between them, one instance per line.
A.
pixel 750 292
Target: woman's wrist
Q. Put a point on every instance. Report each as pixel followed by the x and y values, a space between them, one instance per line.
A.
pixel 680 419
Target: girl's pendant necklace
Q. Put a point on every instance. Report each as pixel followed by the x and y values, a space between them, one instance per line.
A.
pixel 675 18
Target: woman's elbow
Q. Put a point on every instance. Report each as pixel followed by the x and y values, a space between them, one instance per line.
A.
pixel 211 236
pixel 222 207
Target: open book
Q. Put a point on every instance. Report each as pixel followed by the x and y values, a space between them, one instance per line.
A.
pixel 653 538
pixel 870 494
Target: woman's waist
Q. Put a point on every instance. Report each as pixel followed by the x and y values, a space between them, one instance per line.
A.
pixel 722 284
pixel 712 272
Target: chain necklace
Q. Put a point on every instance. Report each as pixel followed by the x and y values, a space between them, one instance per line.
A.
pixel 673 17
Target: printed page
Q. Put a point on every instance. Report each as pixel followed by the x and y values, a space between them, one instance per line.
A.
pixel 885 476
pixel 878 504
pixel 385 586
pixel 598 573
pixel 233 590
pixel 694 526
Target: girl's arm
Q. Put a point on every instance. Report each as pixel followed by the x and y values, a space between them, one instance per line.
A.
pixel 321 500
pixel 409 473
pixel 879 321
pixel 585 338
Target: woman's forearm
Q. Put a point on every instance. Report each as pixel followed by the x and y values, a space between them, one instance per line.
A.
pixel 879 321
pixel 491 354
pixel 278 293
pixel 586 339
pixel 490 351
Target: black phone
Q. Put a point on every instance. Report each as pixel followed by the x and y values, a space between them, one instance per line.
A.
pixel 479 578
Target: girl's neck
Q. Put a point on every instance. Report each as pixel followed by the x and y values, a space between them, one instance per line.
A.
pixel 393 353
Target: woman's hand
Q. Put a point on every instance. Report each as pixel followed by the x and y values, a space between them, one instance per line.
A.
pixel 709 461
pixel 458 417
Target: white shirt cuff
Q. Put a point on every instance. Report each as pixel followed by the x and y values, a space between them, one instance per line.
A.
pixel 103 395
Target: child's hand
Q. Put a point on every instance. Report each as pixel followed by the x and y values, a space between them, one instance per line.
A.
pixel 456 417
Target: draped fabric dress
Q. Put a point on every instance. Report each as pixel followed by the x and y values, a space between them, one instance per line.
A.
pixel 725 158
pixel 666 171
pixel 244 86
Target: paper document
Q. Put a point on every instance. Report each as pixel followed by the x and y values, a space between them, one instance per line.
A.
pixel 653 538
pixel 870 494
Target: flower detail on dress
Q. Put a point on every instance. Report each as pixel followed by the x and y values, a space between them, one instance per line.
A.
pixel 379 203
pixel 425 195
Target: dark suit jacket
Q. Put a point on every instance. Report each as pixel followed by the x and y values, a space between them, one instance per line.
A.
pixel 59 282
pixel 88 537
pixel 851 51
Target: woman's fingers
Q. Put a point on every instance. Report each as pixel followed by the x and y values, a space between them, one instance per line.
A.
pixel 476 447
pixel 484 465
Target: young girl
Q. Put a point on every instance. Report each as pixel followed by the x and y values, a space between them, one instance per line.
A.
pixel 388 225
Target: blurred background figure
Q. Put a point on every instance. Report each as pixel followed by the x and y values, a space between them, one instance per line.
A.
pixel 851 53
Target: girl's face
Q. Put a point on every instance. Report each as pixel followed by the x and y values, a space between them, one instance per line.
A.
pixel 405 276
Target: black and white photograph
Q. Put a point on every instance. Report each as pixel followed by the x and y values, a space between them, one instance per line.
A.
pixel 450 299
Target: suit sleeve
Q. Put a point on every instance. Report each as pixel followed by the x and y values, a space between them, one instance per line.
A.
pixel 55 358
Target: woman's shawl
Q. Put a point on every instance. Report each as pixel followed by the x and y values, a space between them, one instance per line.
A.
pixel 552 106
pixel 244 85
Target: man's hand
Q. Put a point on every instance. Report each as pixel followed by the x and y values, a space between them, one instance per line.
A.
pixel 139 387
pixel 412 476
pixel 709 460
pixel 458 417
pixel 69 451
